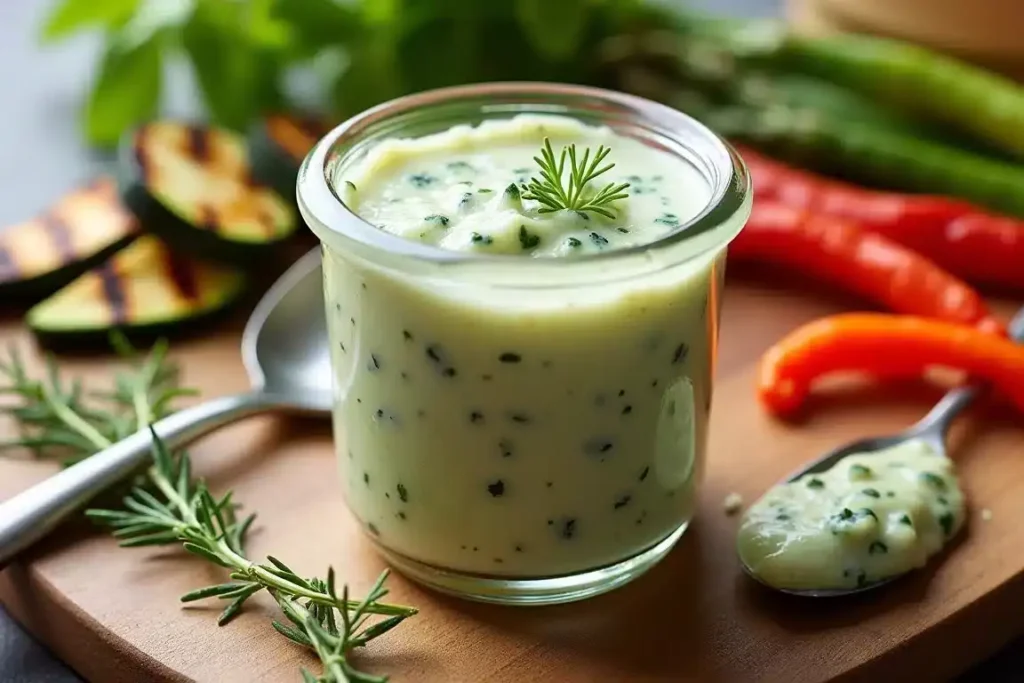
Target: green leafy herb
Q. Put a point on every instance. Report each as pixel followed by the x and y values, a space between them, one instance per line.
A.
pixel 555 194
pixel 57 417
pixel 242 52
pixel 815 483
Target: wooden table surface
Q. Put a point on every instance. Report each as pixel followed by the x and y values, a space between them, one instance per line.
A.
pixel 114 616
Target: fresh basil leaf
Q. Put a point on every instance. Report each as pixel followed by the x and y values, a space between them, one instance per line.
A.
pixel 71 16
pixel 126 90
pixel 237 78
pixel 319 24
pixel 555 28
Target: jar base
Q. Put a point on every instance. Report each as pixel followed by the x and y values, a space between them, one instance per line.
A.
pixel 543 591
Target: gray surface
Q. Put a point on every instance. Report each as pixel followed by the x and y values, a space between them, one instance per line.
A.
pixel 42 153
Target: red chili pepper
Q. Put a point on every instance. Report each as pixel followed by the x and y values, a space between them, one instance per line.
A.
pixel 841 253
pixel 976 245
pixel 884 346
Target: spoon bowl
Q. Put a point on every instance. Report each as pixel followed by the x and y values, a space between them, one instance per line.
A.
pixel 284 346
pixel 932 429
pixel 286 356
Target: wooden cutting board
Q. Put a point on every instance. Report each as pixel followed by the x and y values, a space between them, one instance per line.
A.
pixel 114 614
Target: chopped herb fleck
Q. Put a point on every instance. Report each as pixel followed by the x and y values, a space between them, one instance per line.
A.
pixel 342 345
pixel 366 478
pixel 476 417
pixel 519 418
pixel 598 446
pixel 505 446
pixel 512 192
pixel 890 494
pixel 624 231
pixel 437 218
pixel 597 239
pixel 872 493
pixel 477 238
pixel 946 521
pixel 351 185
pixel 626 410
pixel 497 489
pixel 867 512
pixel 401 515
pixel 815 483
pixel 569 528
pixel 403 494
pixel 582 215
pixel 643 475
pixel 519 548
pixel 467 197
pixel 862 579
pixel 527 239
pixel 622 502
pixel 669 219
pixel 421 180
pixel 858 471
pixel 509 357
pixel 573 242
pixel 877 548
pixel 942 500
pixel 373 529
pixel 374 363
pixel 933 480
pixel 782 517
pixel 680 354
pixel 905 519
pixel 459 166
pixel 622 392
pixel 485 190
pixel 407 334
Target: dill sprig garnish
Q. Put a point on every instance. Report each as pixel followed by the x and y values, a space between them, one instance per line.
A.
pixel 170 506
pixel 576 195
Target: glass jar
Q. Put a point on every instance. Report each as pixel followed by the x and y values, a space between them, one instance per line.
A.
pixel 523 430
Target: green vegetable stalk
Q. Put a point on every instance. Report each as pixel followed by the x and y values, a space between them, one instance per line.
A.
pixel 917 81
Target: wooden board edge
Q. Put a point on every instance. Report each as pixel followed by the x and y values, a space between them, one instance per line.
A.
pixel 69 632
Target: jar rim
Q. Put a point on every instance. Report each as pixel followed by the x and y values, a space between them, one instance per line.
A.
pixel 336 225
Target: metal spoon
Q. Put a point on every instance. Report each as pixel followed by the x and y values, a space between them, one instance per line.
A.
pixel 285 354
pixel 932 429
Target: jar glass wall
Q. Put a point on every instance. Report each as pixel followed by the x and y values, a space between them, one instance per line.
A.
pixel 523 430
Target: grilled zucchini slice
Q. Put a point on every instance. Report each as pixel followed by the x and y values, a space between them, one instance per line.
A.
pixel 277 146
pixel 193 186
pixel 145 290
pixel 80 231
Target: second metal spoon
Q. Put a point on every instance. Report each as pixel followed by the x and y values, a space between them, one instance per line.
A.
pixel 932 429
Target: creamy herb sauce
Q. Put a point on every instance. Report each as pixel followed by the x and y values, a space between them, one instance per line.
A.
pixel 463 190
pixel 517 432
pixel 872 516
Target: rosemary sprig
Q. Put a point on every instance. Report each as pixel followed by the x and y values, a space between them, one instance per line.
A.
pixel 172 507
pixel 58 419
pixel 554 196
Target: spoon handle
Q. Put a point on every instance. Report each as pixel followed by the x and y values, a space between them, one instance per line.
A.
pixel 31 514
pixel 939 419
